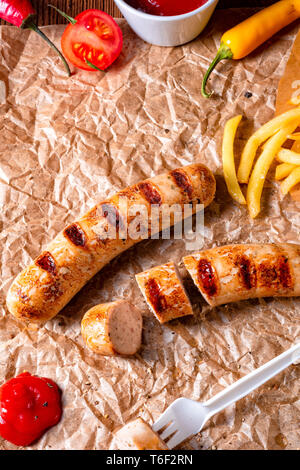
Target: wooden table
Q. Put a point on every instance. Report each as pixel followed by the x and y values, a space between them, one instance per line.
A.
pixel 47 15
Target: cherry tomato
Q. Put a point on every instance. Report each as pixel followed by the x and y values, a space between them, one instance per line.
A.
pixel 95 38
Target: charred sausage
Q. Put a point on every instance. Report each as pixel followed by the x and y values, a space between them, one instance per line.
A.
pixel 238 272
pixel 86 245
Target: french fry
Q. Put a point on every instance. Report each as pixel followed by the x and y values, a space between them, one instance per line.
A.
pixel 283 170
pixel 295 136
pixel 288 156
pixel 260 136
pixel 228 160
pixel 262 167
pixel 290 181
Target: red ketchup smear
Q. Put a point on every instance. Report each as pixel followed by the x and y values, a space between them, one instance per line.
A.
pixel 166 7
pixel 29 405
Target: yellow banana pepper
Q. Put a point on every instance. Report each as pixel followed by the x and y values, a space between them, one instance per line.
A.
pixel 241 40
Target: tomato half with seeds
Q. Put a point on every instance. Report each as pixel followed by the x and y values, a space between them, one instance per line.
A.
pixel 94 38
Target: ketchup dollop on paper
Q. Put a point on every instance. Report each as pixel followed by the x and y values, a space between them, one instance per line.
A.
pixel 166 7
pixel 29 405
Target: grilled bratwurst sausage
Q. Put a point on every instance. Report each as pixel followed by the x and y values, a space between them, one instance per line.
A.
pixel 138 435
pixel 164 292
pixel 113 328
pixel 81 249
pixel 238 272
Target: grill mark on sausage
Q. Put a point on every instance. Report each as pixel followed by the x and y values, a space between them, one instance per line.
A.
pixel 112 215
pixel 247 271
pixel 47 262
pixel 276 275
pixel 156 298
pixel 284 272
pixel 208 184
pixel 183 182
pixel 267 274
pixel 206 277
pixel 75 234
pixel 150 193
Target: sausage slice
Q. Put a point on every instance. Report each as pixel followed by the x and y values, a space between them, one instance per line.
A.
pixel 164 292
pixel 138 435
pixel 113 328
pixel 238 272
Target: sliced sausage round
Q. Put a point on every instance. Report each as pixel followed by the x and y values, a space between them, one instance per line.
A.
pixel 164 292
pixel 113 328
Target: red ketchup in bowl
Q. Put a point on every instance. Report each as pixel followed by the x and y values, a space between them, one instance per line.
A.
pixel 29 405
pixel 166 7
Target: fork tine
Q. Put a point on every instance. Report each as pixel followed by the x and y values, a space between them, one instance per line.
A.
pixel 170 430
pixel 176 440
pixel 163 420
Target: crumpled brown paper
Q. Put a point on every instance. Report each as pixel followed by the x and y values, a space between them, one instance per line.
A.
pixel 289 93
pixel 69 142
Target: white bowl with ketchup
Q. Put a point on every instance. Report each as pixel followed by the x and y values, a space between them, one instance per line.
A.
pixel 167 22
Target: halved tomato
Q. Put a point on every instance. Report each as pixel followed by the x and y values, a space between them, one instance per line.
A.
pixel 94 39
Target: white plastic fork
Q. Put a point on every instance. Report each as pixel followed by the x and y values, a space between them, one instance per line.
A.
pixel 185 417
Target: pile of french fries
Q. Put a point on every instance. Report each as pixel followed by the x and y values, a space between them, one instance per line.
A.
pixel 268 143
